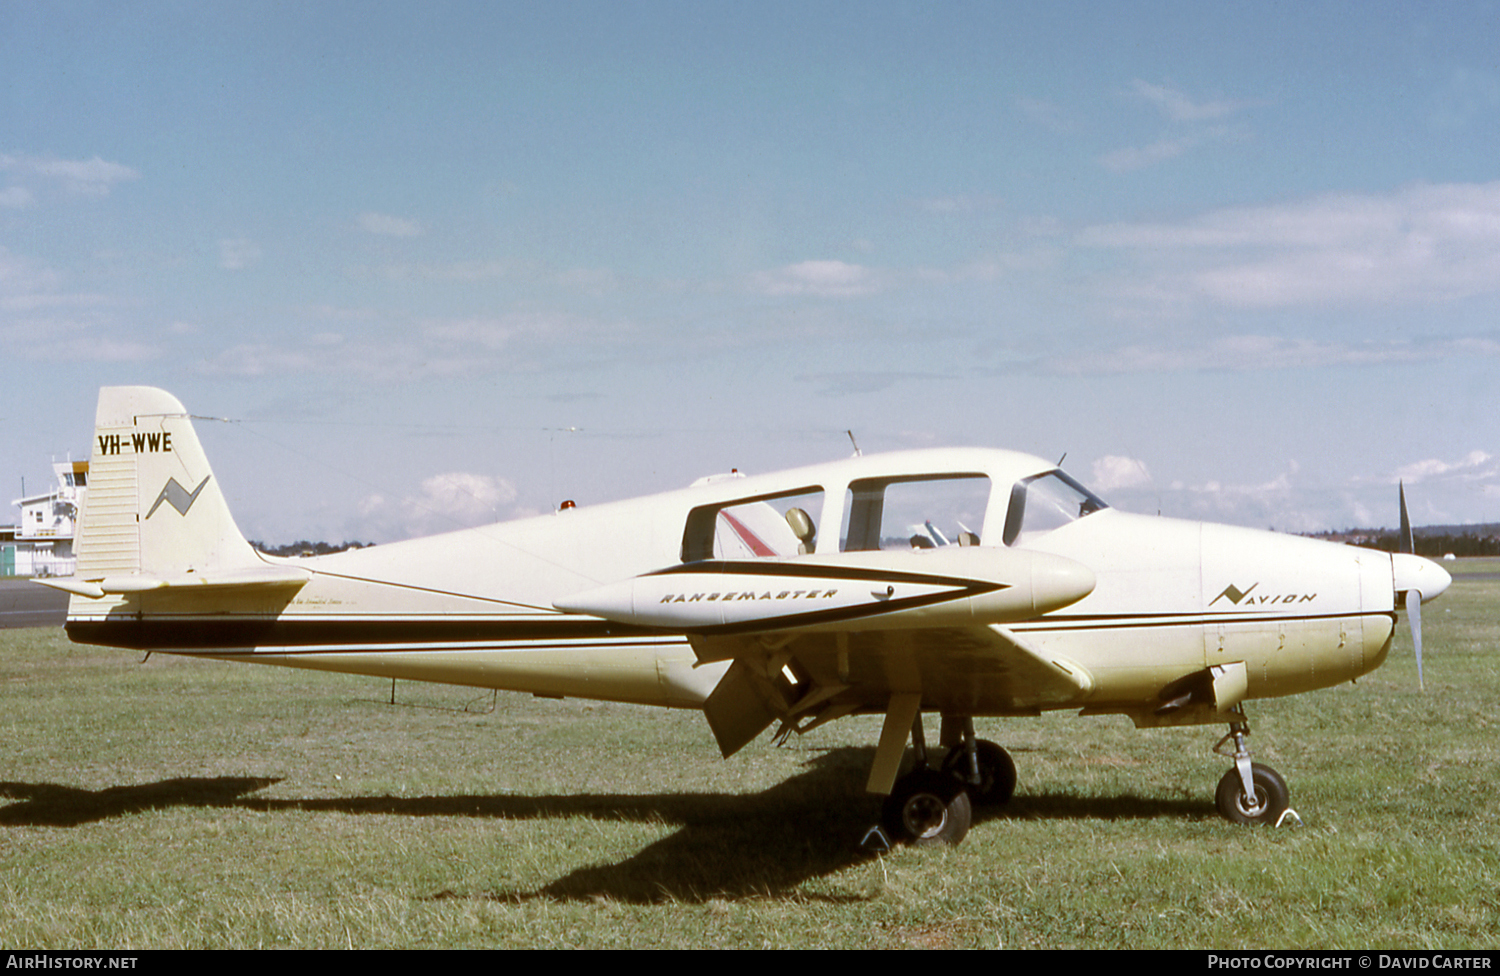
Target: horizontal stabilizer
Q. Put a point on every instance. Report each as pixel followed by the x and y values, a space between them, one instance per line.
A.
pixel 252 579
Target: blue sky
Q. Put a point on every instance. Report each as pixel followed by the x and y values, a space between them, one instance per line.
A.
pixel 444 263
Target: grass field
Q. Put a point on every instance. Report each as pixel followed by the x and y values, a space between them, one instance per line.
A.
pixel 180 804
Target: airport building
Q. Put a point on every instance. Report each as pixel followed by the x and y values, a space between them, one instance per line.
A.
pixel 41 544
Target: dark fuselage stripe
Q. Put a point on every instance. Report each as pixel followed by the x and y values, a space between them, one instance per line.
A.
pixel 405 633
pixel 156 633
pixel 1136 621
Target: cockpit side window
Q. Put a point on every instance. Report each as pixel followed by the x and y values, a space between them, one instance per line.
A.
pixel 761 527
pixel 924 512
pixel 1045 502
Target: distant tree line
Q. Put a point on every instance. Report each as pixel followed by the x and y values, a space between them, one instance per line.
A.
pixel 304 548
pixel 1428 543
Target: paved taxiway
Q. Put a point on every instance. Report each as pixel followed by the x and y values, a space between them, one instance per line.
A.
pixel 25 604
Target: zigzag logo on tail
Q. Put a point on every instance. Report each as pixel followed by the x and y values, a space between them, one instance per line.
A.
pixel 177 496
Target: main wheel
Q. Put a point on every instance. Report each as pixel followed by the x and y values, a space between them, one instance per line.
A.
pixel 1266 807
pixel 997 772
pixel 927 807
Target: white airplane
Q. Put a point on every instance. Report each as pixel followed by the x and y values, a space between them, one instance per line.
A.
pixel 797 597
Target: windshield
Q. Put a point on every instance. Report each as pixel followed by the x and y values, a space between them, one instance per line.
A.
pixel 1045 502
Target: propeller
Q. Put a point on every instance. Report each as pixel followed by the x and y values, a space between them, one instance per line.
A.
pixel 1408 545
pixel 1420 579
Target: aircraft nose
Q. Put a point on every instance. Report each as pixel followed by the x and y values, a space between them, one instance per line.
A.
pixel 1410 572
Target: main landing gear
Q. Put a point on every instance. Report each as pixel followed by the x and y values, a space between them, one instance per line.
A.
pixel 1250 793
pixel 936 805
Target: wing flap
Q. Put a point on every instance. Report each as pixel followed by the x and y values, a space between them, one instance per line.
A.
pixel 738 710
pixel 960 671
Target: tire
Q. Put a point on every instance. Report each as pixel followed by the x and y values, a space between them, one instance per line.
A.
pixel 927 807
pixel 1270 802
pixel 997 773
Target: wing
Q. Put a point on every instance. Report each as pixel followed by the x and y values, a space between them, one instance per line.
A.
pixel 814 638
pixel 808 679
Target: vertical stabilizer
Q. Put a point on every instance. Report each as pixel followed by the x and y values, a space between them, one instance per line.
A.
pixel 153 508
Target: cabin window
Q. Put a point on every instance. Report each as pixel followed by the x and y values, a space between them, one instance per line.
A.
pixel 1045 502
pixel 763 527
pixel 914 513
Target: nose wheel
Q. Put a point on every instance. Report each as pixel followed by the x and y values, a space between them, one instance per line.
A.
pixel 1264 804
pixel 1251 792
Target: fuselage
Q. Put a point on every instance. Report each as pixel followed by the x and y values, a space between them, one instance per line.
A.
pixel 481 606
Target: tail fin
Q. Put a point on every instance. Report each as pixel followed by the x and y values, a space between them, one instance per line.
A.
pixel 154 516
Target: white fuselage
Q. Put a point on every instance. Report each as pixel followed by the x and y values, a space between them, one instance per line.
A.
pixel 479 607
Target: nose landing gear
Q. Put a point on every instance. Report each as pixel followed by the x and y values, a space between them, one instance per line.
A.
pixel 1250 793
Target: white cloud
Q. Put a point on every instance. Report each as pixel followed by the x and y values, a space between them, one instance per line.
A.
pixel 960 203
pixel 854 382
pixel 1178 107
pixel 1468 96
pixel 237 253
pixel 824 279
pixel 92 348
pixel 389 349
pixel 256 359
pixel 1473 466
pixel 470 499
pixel 1140 157
pixel 16 197
pixel 379 223
pixel 495 333
pixel 1046 113
pixel 1112 472
pixel 1244 353
pixel 1190 127
pixel 444 502
pixel 457 271
pixel 1421 243
pixel 1278 502
pixel 43 323
pixel 21 277
pixel 89 177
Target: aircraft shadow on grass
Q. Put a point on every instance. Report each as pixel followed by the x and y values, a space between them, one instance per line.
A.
pixel 726 846
pixel 51 805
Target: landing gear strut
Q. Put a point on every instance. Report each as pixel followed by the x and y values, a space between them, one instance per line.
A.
pixel 1250 793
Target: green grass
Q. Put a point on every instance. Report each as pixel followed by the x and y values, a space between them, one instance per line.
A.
pixel 183 804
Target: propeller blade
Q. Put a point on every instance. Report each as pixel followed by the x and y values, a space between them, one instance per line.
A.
pixel 1407 542
pixel 1414 617
pixel 1419 579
